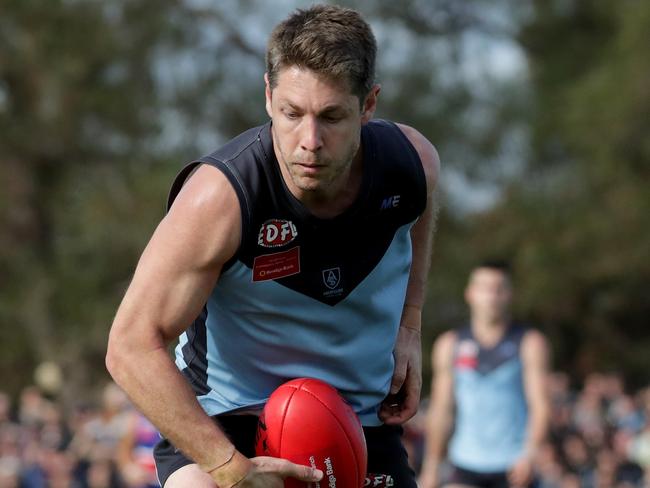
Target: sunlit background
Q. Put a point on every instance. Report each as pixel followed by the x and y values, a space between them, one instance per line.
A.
pixel 540 111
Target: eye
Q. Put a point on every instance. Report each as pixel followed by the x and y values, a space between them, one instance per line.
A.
pixel 331 119
pixel 291 115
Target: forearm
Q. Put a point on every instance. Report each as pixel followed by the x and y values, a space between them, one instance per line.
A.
pixel 159 390
pixel 412 318
pixel 536 430
pixel 535 358
pixel 422 243
pixel 416 288
pixel 422 247
pixel 440 417
pixel 438 431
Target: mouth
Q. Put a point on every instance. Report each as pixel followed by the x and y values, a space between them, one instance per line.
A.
pixel 308 164
pixel 310 167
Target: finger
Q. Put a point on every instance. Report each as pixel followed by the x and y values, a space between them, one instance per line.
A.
pixel 514 478
pixel 410 405
pixel 410 401
pixel 388 411
pixel 393 415
pixel 406 410
pixel 299 472
pixel 397 418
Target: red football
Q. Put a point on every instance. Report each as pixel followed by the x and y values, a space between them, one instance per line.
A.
pixel 308 422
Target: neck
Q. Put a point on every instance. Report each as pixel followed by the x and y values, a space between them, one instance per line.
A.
pixel 336 197
pixel 489 332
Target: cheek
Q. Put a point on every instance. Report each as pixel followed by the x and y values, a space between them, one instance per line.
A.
pixel 345 139
pixel 285 139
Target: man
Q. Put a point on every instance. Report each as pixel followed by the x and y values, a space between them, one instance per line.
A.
pixel 490 376
pixel 300 248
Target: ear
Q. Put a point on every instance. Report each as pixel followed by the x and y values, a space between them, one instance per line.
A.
pixel 466 294
pixel 370 104
pixel 268 93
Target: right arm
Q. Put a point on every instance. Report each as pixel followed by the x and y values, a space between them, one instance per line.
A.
pixel 172 282
pixel 440 416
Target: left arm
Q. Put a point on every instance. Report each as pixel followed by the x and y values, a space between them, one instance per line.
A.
pixel 535 358
pixel 404 398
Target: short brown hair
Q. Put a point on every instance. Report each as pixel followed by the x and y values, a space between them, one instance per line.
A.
pixel 329 40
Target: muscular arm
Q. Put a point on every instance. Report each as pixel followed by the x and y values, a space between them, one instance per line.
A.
pixel 440 416
pixel 423 230
pixel 406 383
pixel 171 284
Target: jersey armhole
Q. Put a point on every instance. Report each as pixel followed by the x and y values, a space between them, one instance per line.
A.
pixel 419 169
pixel 237 185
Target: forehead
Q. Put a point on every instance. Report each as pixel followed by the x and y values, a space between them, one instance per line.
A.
pixel 488 276
pixel 301 85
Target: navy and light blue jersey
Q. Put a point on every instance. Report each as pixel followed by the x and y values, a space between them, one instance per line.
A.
pixel 491 410
pixel 304 296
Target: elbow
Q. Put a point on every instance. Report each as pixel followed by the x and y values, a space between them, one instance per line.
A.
pixel 117 355
pixel 112 360
pixel 130 344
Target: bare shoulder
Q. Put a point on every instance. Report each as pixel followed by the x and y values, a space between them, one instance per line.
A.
pixel 443 349
pixel 535 339
pixel 427 152
pixel 445 340
pixel 206 213
pixel 205 189
pixel 534 345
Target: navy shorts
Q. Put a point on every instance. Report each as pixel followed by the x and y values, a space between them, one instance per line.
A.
pixel 460 476
pixel 387 458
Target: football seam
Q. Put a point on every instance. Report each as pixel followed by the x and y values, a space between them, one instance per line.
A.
pixel 284 416
pixel 354 454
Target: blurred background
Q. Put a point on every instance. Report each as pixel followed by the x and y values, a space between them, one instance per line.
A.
pixel 540 111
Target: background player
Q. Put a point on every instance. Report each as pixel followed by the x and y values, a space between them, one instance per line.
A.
pixel 489 389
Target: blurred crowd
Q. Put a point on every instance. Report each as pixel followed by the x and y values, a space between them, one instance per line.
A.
pixel 109 445
pixel 599 437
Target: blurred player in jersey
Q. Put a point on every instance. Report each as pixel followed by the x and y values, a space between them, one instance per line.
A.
pixel 489 412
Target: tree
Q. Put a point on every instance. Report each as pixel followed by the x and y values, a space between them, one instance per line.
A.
pixel 577 223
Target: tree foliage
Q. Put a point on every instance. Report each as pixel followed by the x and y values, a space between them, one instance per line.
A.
pixel 576 220
pixel 101 102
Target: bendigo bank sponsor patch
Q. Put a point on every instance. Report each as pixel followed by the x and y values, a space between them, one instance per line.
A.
pixel 278 265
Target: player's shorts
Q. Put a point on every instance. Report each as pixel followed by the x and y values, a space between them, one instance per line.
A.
pixel 460 476
pixel 387 458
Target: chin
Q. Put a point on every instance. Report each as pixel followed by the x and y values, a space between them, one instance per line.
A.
pixel 310 188
pixel 308 184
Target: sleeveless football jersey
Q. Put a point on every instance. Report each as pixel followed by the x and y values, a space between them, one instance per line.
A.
pixel 304 296
pixel 491 411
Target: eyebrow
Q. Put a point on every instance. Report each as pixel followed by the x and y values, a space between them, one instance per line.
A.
pixel 327 110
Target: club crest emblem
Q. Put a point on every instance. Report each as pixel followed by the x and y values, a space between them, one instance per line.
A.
pixel 332 277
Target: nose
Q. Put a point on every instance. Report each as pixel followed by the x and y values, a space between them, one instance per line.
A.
pixel 311 139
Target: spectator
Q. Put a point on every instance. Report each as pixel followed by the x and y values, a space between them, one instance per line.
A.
pixel 600 437
pixel 98 438
pixel 577 459
pixel 135 452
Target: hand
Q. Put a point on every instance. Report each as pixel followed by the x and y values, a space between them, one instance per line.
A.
pixel 269 472
pixel 521 473
pixel 428 476
pixel 402 402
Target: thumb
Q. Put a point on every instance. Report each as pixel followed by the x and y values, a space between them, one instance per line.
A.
pixel 398 376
